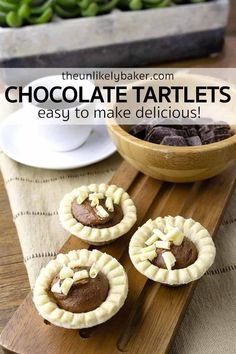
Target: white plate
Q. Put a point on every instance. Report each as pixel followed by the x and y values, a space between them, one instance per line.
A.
pixel 20 143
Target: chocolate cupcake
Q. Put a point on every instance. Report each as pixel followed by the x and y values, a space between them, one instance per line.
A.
pixel 97 214
pixel 80 289
pixel 172 250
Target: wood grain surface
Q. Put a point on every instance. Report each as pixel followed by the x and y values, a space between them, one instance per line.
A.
pixel 14 284
pixel 147 307
pixel 231 30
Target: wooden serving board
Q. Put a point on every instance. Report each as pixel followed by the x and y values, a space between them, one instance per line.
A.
pixel 152 312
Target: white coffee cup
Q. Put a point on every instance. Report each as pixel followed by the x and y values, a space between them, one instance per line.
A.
pixel 62 136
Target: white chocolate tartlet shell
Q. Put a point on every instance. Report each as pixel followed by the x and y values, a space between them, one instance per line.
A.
pixel 109 266
pixel 92 235
pixel 193 230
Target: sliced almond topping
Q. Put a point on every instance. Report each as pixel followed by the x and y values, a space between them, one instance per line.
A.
pixel 83 195
pixel 151 240
pixel 66 285
pixel 81 274
pixel 93 272
pixel 109 204
pixel 94 198
pixel 74 264
pixel 148 255
pixel 168 228
pixel 56 288
pixel 157 234
pixel 94 201
pixel 178 241
pixel 169 259
pixel 117 195
pixel 96 195
pixel 66 272
pixel 175 235
pixel 149 248
pixel 163 244
pixel 101 212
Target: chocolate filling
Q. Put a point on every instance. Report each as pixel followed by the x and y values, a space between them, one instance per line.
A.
pixel 86 214
pixel 84 295
pixel 185 254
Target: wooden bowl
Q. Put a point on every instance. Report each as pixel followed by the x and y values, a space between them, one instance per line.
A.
pixel 171 163
pixel 179 164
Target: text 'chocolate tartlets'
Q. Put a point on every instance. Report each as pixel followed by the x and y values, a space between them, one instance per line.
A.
pixel 80 289
pixel 98 214
pixel 172 250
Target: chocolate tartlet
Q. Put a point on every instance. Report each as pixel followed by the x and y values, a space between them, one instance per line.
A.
pixel 87 215
pixel 172 250
pixel 85 294
pixel 98 214
pixel 185 255
pixel 80 289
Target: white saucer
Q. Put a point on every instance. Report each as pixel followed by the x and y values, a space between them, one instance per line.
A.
pixel 20 143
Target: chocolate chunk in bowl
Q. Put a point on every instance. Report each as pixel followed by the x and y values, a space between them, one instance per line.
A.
pixel 220 137
pixel 207 137
pixel 139 131
pixel 174 141
pixel 193 141
pixel 157 134
pixel 181 132
pixel 190 131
